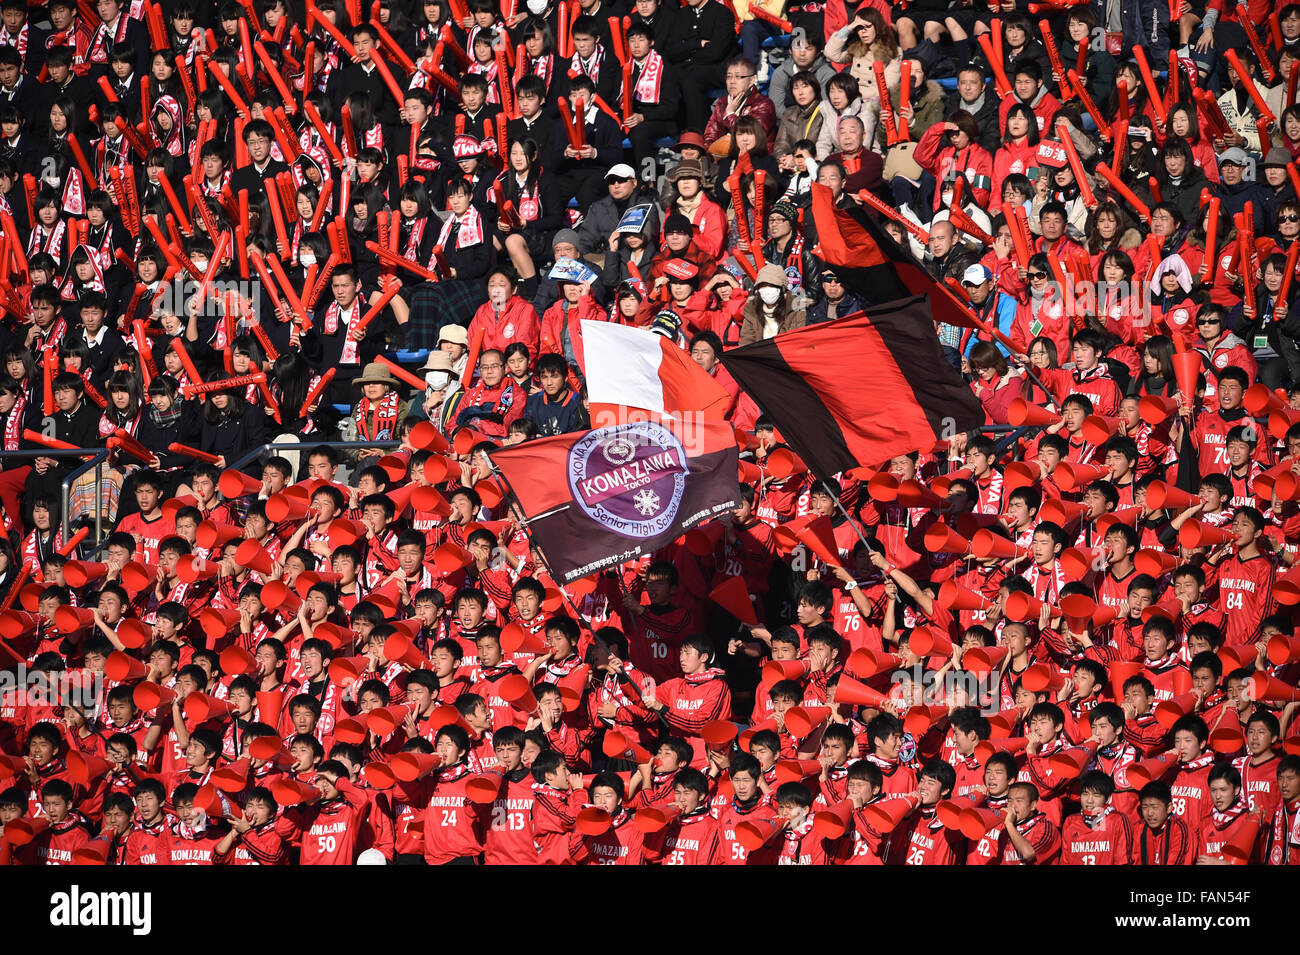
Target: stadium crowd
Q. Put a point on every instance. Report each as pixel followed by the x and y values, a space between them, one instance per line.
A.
pixel 234 235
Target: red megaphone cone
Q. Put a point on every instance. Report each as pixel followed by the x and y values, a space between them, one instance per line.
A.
pixel 191 569
pixel 1283 650
pixel 69 619
pixel 1121 671
pixel 1021 474
pixel 887 814
pixel 291 792
pixel 1262 687
pixel 753 834
pixel 1155 410
pixel 1021 606
pixel 1078 610
pixel 427 437
pixel 484 789
pixel 733 596
pixel 956 597
pixel 253 556
pixel 379 775
pixel 1169 712
pixel 942 539
pixel 350 731
pixel 150 696
pixel 1280 422
pixel 214 536
pixel 121 668
pixel 399 648
pixel 916 494
pixel 593 821
pixel 1098 429
pixel 976 822
pixel 200 708
pixel 783 463
pixel 270 703
pixel 1261 401
pixel 347 670
pixel 84 769
pixel 1194 534
pixel 618 745
pixel 383 720
pixel 233 777
pixel 138 577
pixel 514 689
pixel 408 767
pixel 654 819
pixel 1041 678
pixel 343 532
pixel 1162 497
pixel 834 822
pixel 451 558
pixel 929 642
pixel 718 734
pixel 919 719
pixel 983 660
pixel 287 505
pixel 986 544
pixel 1149 770
pixel 865 663
pixel 16 624
pixel 999 744
pixel 1070 763
pixel 1061 512
pixel 235 484
pixel 1022 413
pixel 855 693
pixel 1227 740
pixel 572 687
pixel 1075 477
pixel 777 670
pixel 802 721
pixel 216 622
pixel 394 465
pixel 1187 369
pixel 1152 562
pixel 1241 847
pixel 277 595
pixel 794 770
pixel 78 573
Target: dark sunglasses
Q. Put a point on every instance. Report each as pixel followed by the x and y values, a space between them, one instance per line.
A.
pixel 1208 321
pixel 1037 275
pixel 1289 217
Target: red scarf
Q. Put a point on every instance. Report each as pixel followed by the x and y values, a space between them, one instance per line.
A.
pixel 14 422
pixel 414 237
pixel 99 44
pixel 1222 819
pixel 650 82
pixel 591 68
pixel 469 233
pixel 332 317
pixel 20 42
pixel 542 66
pixel 377 420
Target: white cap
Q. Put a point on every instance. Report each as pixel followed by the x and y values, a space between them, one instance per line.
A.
pixel 621 171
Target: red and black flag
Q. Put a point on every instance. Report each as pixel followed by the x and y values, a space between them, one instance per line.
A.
pixel 593 500
pixel 873 266
pixel 858 390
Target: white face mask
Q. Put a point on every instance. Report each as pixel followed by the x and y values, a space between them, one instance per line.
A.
pixel 437 380
pixel 200 264
pixel 307 259
pixel 537 7
pixel 769 295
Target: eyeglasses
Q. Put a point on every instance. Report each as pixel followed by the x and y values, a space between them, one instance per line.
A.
pixel 1037 275
pixel 833 279
pixel 739 76
pixel 1289 217
pixel 490 367
pixel 1201 322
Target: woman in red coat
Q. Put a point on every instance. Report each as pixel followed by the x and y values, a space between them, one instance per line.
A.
pixel 993 382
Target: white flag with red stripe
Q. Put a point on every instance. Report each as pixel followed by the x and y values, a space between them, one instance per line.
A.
pixel 632 368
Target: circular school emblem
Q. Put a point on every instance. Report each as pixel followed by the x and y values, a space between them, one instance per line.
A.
pixel 630 478
pixel 1221 360
pixel 1178 316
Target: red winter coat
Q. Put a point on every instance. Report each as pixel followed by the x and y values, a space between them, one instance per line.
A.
pixel 516 323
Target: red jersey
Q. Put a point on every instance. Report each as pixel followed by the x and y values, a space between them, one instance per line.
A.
pixel 1171 844
pixel 1190 786
pixel 1246 595
pixel 694 839
pixel 453 826
pixel 1105 838
pixel 621 844
pixel 1043 836
pixel 731 815
pixel 921 839
pixel 1259 783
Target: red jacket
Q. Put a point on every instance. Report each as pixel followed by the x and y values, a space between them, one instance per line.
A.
pixel 516 323
pixel 692 702
pixel 756 105
pixel 938 157
pixel 561 314
pixel 453 826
